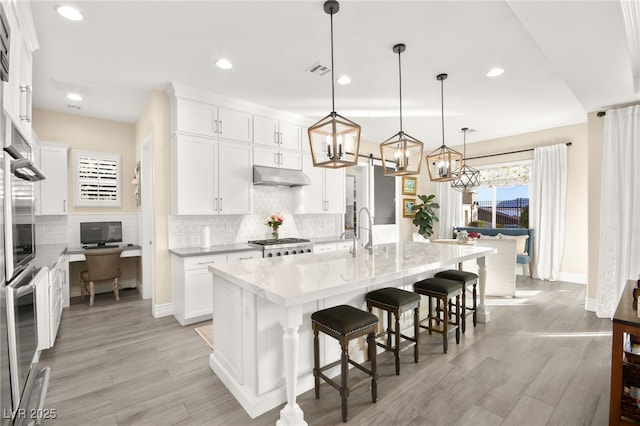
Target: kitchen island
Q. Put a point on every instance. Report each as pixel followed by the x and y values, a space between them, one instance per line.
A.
pixel 262 312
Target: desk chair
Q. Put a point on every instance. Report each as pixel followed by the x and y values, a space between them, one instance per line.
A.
pixel 102 264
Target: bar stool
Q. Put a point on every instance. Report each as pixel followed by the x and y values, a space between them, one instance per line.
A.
pixel 443 291
pixel 396 301
pixel 467 279
pixel 344 323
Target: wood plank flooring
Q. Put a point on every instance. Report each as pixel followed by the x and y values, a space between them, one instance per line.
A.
pixel 541 360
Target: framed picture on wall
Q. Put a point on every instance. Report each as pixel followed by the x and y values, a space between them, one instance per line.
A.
pixel 409 185
pixel 407 207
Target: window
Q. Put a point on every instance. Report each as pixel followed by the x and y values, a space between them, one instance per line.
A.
pixel 503 198
pixel 97 179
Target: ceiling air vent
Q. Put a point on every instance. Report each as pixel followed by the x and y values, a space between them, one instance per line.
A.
pixel 319 69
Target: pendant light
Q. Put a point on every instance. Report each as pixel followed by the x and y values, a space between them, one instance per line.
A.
pixel 334 140
pixel 468 177
pixel 443 163
pixel 401 154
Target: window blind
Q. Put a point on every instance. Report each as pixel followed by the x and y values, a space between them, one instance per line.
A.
pixel 98 179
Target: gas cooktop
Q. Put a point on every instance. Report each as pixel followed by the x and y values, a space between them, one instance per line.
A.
pixel 273 242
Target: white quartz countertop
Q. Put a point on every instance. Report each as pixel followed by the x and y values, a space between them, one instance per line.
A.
pixel 48 254
pixel 293 280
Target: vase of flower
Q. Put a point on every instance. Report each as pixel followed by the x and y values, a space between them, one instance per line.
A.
pixel 274 222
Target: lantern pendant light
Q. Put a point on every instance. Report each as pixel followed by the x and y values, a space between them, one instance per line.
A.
pixel 334 140
pixel 401 154
pixel 444 162
pixel 468 177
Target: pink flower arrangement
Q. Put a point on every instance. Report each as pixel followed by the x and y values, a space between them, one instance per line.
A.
pixel 274 221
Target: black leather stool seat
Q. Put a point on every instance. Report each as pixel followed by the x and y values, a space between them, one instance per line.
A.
pixel 392 296
pixel 344 319
pixel 466 279
pixel 455 275
pixel 344 323
pixel 443 291
pixel 438 285
pixel 396 301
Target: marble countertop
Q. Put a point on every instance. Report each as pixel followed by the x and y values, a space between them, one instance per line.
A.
pixel 48 254
pixel 197 251
pixel 293 280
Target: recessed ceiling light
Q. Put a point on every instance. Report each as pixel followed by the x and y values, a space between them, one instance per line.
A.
pixel 71 13
pixel 344 79
pixel 224 64
pixel 74 96
pixel 494 72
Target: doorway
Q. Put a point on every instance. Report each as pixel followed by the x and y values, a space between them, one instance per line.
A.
pixel 146 222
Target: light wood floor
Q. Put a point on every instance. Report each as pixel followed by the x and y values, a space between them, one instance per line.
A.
pixel 542 359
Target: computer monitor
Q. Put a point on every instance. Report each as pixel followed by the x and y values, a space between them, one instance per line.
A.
pixel 100 233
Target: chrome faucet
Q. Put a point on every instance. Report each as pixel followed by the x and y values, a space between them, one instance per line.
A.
pixel 369 244
pixel 353 249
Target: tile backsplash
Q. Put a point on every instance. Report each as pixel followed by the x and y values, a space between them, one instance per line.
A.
pixel 186 231
pixel 66 229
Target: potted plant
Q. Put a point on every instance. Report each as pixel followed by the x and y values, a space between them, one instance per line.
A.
pixel 425 217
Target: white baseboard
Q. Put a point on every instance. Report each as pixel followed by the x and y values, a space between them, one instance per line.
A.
pixel 589 304
pixel 571 277
pixel 163 310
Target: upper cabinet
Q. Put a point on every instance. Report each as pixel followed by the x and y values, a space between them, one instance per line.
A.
pixel 326 193
pixel 274 133
pixel 203 119
pixel 23 42
pixel 211 176
pixel 54 190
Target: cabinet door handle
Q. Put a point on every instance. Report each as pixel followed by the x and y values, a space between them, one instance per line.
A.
pixel 245 258
pixel 220 133
pixel 281 158
pixel 275 158
pixel 215 126
pixel 206 263
pixel 25 102
pixel 220 204
pixel 215 209
pixel 64 205
pixel 275 137
pixel 280 138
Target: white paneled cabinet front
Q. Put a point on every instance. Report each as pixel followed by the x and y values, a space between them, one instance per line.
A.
pixel 272 157
pixel 54 192
pixel 211 176
pixel 193 284
pixel 204 119
pixel 326 193
pixel 274 133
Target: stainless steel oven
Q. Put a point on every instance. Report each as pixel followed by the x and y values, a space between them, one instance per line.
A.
pixel 20 174
pixel 28 381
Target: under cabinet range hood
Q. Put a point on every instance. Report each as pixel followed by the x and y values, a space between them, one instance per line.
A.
pixel 279 177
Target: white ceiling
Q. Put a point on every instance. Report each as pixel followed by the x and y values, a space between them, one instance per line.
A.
pixel 562 59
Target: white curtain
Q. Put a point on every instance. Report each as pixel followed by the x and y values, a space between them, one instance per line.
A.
pixel 548 195
pixel 450 213
pixel 619 250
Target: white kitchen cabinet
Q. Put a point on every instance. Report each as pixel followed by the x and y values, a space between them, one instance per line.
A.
pixel 53 198
pixel 211 176
pixel 273 157
pixel 326 193
pixel 17 95
pixel 50 296
pixel 193 284
pixel 275 133
pixel 204 119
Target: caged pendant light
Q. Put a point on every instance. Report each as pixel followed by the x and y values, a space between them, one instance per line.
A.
pixel 468 177
pixel 401 154
pixel 334 140
pixel 444 162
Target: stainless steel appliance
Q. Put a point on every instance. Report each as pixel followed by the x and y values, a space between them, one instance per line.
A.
pixel 5 382
pixel 19 210
pixel 283 246
pixel 28 381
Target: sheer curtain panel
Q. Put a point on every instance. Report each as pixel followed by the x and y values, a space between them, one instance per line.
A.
pixel 619 251
pixel 548 195
pixel 450 214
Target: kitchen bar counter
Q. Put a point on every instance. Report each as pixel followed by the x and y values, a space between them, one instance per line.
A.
pixel 262 309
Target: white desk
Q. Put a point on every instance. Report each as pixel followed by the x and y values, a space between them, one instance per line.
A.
pixel 261 307
pixel 76 254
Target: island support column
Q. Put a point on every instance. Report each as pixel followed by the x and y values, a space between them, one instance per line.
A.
pixel 291 319
pixel 484 315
